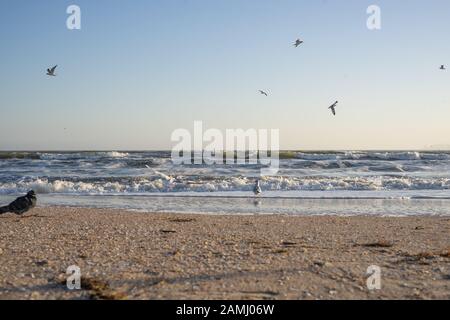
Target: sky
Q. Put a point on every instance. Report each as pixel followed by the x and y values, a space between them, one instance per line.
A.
pixel 138 70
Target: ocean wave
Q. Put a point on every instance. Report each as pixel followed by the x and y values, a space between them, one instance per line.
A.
pixel 116 154
pixel 114 172
pixel 366 155
pixel 161 182
pixel 283 155
pixel 87 155
pixel 19 155
pixel 61 155
pixel 358 166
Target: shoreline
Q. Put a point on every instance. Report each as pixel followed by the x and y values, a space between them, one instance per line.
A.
pixel 135 255
pixel 251 205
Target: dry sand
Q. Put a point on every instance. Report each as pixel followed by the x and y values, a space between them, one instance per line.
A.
pixel 126 255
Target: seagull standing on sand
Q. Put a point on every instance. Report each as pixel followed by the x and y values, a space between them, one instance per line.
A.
pixel 51 72
pixel 333 108
pixel 442 67
pixel 257 189
pixel 264 93
pixel 297 43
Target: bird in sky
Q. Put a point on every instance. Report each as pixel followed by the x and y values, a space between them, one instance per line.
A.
pixel 51 72
pixel 298 42
pixel 257 189
pixel 333 108
pixel 442 67
pixel 264 93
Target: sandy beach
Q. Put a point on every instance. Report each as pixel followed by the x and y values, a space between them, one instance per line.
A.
pixel 129 255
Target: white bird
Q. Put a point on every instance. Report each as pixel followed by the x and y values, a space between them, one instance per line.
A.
pixel 264 93
pixel 297 43
pixel 442 67
pixel 257 189
pixel 333 108
pixel 51 72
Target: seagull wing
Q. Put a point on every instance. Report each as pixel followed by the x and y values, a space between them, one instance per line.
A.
pixel 53 69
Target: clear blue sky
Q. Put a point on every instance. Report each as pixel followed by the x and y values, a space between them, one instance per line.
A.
pixel 139 69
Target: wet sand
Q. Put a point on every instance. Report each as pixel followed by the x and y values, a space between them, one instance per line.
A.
pixel 128 255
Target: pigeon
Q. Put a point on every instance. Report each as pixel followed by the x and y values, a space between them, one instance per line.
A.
pixel 51 72
pixel 442 67
pixel 297 43
pixel 333 108
pixel 257 188
pixel 21 204
pixel 264 93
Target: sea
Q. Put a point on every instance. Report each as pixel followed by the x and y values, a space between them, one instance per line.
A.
pixel 382 183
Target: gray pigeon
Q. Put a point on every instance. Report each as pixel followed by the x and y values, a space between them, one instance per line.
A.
pixel 21 204
pixel 51 72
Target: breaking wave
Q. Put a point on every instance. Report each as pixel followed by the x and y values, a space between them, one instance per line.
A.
pixel 359 155
pixel 126 173
pixel 161 182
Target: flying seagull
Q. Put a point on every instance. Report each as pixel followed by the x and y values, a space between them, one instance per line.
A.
pixel 264 93
pixel 51 72
pixel 257 188
pixel 298 42
pixel 333 108
pixel 442 67
pixel 21 204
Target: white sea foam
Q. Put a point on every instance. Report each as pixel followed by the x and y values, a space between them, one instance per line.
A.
pixel 125 173
pixel 166 184
pixel 359 155
pixel 115 154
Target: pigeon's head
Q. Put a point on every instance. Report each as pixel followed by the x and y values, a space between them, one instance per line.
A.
pixel 31 194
